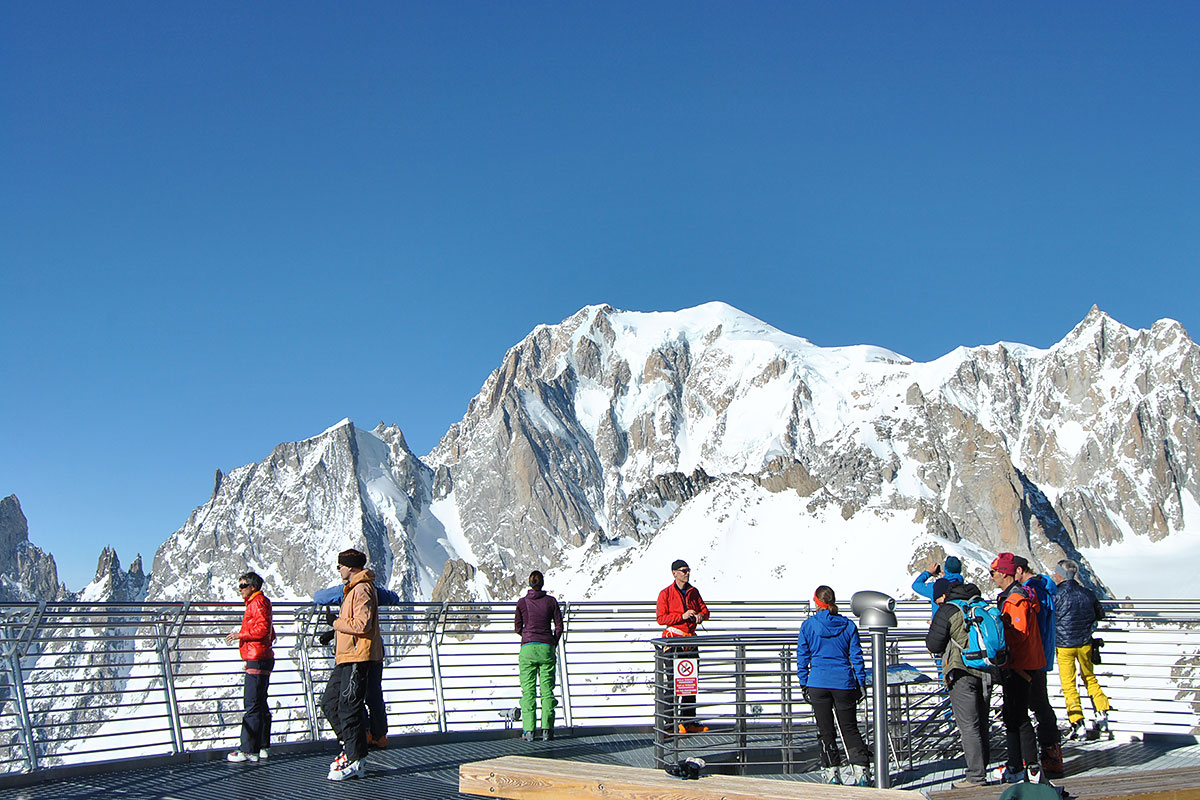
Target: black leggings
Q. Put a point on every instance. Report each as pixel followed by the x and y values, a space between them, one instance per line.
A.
pixel 827 702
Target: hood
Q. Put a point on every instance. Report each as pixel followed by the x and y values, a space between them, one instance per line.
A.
pixel 830 624
pixel 962 591
pixel 366 576
pixel 535 594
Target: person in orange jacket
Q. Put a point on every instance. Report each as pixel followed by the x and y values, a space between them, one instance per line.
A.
pixel 254 639
pixel 1018 607
pixel 680 610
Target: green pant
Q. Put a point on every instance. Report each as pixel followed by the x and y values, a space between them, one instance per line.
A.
pixel 536 663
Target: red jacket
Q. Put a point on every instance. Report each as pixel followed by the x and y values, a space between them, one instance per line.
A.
pixel 671 605
pixel 257 632
pixel 1019 608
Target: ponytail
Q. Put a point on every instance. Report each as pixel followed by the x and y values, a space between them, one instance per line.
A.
pixel 824 598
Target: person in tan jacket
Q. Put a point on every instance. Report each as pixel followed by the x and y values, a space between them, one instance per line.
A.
pixel 358 643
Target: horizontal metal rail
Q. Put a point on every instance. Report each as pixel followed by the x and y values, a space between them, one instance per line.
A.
pixel 92 682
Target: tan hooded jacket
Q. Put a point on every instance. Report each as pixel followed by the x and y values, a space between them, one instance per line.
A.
pixel 357 626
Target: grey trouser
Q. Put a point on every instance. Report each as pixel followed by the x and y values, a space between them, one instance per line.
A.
pixel 969 702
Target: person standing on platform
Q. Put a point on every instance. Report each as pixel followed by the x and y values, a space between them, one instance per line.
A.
pixel 358 643
pixel 1076 613
pixel 681 609
pixel 254 638
pixel 1018 607
pixel 539 621
pixel 830 670
pixel 923 584
pixel 1049 738
pixel 377 726
pixel 969 687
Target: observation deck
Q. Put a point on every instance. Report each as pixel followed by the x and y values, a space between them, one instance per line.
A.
pixel 143 701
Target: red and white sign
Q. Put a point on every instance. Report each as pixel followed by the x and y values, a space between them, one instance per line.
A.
pixel 685 676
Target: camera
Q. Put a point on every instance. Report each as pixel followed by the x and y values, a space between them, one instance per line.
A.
pixel 688 769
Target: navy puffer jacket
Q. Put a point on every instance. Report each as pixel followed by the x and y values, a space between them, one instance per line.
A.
pixel 1076 611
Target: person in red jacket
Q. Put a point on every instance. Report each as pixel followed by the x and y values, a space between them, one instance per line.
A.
pixel 254 639
pixel 1019 609
pixel 680 609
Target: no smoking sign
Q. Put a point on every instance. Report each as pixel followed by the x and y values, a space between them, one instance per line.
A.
pixel 685 676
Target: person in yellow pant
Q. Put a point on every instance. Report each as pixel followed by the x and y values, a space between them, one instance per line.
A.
pixel 1076 612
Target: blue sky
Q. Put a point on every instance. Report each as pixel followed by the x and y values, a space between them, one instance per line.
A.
pixel 228 225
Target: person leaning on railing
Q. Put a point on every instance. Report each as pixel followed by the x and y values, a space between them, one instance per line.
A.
pixel 539 621
pixel 681 609
pixel 254 639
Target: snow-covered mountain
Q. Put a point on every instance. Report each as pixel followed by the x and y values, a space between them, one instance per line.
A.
pixel 607 445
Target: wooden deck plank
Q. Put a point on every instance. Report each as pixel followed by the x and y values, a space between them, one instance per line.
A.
pixel 526 778
pixel 1167 784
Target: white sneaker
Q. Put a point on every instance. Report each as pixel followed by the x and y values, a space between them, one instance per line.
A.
pixel 264 754
pixel 238 757
pixel 353 769
pixel 1078 730
pixel 831 775
pixel 1033 774
pixel 1002 774
pixel 859 776
pixel 338 763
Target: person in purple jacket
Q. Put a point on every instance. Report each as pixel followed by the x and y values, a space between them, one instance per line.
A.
pixel 539 621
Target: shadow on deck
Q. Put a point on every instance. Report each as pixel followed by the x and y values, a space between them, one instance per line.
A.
pixel 426 768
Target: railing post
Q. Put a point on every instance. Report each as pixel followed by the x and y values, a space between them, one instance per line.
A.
pixel 564 676
pixel 164 661
pixel 785 707
pixel 739 683
pixel 15 651
pixel 435 663
pixel 303 617
pixel 662 705
pixel 883 777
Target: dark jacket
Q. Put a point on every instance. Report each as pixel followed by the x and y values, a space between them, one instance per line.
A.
pixel 947 626
pixel 1076 612
pixel 828 653
pixel 535 613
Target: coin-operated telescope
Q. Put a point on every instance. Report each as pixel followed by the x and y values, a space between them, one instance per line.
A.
pixel 876 611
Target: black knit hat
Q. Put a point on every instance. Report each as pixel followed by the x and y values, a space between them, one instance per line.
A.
pixel 678 563
pixel 352 559
pixel 940 587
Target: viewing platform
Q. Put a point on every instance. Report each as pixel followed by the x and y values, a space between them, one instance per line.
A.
pixel 143 702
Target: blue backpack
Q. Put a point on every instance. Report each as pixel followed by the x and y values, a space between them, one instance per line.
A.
pixel 985 634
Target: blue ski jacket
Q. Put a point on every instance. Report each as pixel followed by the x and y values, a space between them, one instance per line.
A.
pixel 1045 589
pixel 828 653
pixel 924 586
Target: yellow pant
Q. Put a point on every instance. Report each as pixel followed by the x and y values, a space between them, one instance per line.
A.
pixel 1067 656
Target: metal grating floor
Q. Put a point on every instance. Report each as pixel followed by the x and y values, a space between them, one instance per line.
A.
pixel 429 771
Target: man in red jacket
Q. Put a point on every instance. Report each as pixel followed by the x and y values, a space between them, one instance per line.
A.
pixel 680 609
pixel 1019 608
pixel 254 639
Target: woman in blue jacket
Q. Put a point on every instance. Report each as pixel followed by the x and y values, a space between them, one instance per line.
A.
pixel 829 667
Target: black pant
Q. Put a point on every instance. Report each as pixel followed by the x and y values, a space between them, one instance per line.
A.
pixel 824 703
pixel 376 710
pixel 1039 704
pixel 256 722
pixel 342 704
pixel 1018 730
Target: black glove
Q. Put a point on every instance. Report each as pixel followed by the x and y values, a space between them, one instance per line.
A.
pixel 326 637
pixel 330 616
pixel 804 693
pixel 861 694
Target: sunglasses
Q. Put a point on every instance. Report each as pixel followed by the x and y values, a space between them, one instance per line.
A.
pixel 685 569
pixel 243 586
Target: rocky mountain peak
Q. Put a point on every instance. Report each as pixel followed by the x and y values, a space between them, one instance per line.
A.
pixel 26 573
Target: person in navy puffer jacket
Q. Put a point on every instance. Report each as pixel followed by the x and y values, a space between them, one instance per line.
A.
pixel 829 667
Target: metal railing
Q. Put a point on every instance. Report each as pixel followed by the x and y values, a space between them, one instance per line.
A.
pixel 85 683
